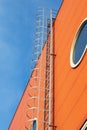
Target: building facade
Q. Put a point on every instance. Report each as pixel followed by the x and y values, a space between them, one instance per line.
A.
pixel 68 107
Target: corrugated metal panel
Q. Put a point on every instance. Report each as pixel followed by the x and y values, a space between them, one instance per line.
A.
pixel 70 84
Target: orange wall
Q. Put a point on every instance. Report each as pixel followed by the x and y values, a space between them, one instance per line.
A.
pixel 70 84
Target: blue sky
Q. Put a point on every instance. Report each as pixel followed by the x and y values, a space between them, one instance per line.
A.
pixel 17 19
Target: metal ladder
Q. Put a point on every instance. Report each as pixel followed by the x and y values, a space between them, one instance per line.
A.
pixel 40 90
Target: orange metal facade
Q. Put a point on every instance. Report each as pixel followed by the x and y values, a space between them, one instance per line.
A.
pixel 70 84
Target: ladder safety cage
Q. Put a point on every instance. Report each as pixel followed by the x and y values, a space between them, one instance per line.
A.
pixel 40 100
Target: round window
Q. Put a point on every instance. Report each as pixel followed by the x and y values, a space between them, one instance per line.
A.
pixel 79 45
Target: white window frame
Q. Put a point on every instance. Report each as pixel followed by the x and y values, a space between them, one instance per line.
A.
pixel 84 126
pixel 73 65
pixel 35 119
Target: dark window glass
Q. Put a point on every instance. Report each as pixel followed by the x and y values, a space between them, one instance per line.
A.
pixel 86 128
pixel 34 125
pixel 80 43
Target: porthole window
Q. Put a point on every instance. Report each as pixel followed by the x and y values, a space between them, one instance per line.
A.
pixel 34 125
pixel 84 126
pixel 79 45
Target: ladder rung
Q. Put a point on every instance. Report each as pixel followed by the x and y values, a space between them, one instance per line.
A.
pixel 37 45
pixel 35 60
pixel 33 97
pixel 38 16
pixel 36 97
pixel 37 39
pixel 36 53
pixel 33 87
pixel 41 27
pixel 36 77
pixel 37 87
pixel 40 32
pixel 36 68
pixel 32 119
pixel 37 108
